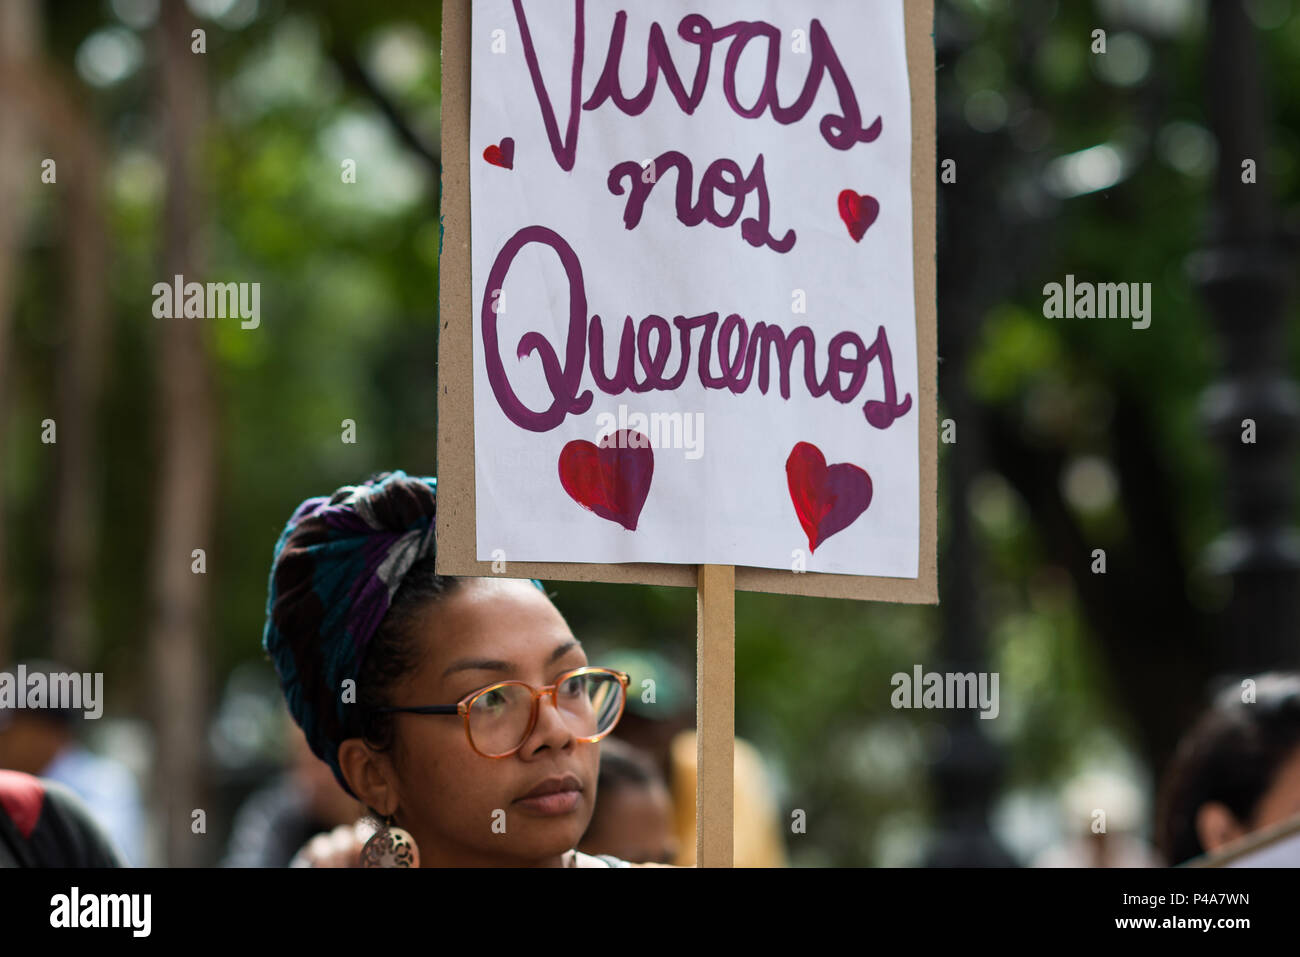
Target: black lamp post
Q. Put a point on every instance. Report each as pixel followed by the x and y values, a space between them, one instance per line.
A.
pixel 1244 270
pixel 966 773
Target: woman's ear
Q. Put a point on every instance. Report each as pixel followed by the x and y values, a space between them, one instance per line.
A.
pixel 1217 826
pixel 370 775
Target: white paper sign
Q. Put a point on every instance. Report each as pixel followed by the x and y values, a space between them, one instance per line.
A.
pixel 694 331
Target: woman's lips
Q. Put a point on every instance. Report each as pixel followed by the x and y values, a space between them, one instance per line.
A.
pixel 557 802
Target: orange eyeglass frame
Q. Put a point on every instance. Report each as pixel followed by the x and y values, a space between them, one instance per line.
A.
pixel 463 706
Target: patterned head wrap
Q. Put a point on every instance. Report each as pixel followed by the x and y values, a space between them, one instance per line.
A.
pixel 337 565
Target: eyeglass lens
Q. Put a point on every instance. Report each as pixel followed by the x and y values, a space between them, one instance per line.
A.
pixel 589 705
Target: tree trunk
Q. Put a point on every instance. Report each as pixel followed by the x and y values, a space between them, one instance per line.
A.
pixel 80 373
pixel 186 488
pixel 18 43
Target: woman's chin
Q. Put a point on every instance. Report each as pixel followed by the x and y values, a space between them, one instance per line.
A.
pixel 546 837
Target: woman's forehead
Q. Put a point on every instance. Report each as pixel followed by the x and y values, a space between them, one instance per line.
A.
pixel 506 621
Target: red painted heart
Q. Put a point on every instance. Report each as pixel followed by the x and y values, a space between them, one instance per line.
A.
pixel 503 155
pixel 826 500
pixel 613 480
pixel 858 211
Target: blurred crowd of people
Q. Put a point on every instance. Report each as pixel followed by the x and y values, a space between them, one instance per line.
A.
pixel 1236 772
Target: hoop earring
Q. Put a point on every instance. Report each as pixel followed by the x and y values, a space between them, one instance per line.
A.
pixel 390 847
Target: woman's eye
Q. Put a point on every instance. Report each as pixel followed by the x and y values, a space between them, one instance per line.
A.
pixel 572 687
pixel 493 699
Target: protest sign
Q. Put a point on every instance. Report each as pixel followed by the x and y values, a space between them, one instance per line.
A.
pixel 687 303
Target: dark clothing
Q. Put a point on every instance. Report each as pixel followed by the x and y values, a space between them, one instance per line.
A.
pixel 271 826
pixel 43 824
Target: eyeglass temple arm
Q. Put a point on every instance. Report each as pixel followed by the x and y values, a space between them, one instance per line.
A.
pixel 426 709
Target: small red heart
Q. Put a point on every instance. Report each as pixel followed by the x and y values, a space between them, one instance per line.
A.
pixel 503 155
pixel 826 500
pixel 858 211
pixel 613 480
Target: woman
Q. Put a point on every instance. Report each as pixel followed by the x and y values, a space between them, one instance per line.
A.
pixel 394 674
pixel 1236 771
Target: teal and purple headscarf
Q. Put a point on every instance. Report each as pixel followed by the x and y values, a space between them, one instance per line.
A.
pixel 337 566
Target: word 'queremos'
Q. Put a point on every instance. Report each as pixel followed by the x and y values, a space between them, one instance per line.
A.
pixel 946 690
pixel 213 300
pixel 62 691
pixel 741 350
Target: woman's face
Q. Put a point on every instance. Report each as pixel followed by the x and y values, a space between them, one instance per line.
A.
pixel 460 807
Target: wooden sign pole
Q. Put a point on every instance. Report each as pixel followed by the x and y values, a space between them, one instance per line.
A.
pixel 715 715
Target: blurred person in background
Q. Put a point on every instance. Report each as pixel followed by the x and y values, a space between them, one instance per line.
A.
pixel 1236 771
pixel 758 838
pixel 660 703
pixel 634 818
pixel 277 820
pixel 43 824
pixel 43 742
pixel 660 720
pixel 1103 812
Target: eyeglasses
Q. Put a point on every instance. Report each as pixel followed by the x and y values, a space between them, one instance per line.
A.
pixel 500 717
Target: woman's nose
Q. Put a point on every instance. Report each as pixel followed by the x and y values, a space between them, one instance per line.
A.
pixel 550 730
